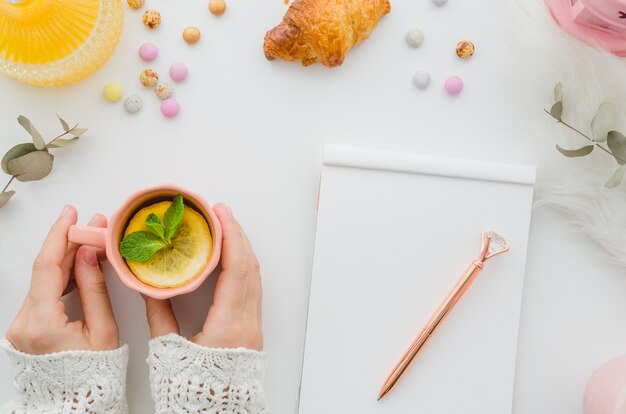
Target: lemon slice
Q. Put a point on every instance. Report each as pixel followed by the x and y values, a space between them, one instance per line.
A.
pixel 189 254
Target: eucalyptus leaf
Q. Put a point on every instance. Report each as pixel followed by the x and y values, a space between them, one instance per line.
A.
pixel 5 197
pixel 31 167
pixel 580 152
pixel 64 124
pixel 603 122
pixel 617 144
pixel 17 151
pixel 30 128
pixel 63 142
pixel 77 132
pixel 617 177
pixel 557 110
pixel 558 92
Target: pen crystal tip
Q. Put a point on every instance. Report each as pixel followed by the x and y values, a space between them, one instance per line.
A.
pixel 497 242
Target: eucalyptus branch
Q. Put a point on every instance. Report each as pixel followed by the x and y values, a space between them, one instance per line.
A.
pixel 8 184
pixel 560 121
pixel 602 127
pixel 31 161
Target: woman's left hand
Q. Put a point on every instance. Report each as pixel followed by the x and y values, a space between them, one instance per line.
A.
pixel 42 326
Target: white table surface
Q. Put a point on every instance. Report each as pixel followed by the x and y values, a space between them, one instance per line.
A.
pixel 251 133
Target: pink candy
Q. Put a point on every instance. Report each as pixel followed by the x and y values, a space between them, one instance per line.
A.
pixel 170 107
pixel 454 85
pixel 148 52
pixel 178 72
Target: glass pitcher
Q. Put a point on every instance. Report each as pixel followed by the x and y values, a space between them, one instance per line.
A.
pixel 57 42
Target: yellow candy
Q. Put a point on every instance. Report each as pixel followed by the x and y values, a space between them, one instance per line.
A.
pixel 112 92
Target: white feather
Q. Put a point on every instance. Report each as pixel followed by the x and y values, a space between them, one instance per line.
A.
pixel 546 55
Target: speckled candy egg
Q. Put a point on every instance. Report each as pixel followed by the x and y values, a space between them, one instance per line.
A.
pixel 414 37
pixel 164 90
pixel 133 104
pixel 151 19
pixel 465 49
pixel 148 78
pixel 136 4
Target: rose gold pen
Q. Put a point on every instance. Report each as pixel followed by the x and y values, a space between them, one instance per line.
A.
pixel 492 245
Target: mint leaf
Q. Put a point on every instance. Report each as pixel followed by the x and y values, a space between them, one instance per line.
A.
pixel 140 246
pixel 172 217
pixel 155 226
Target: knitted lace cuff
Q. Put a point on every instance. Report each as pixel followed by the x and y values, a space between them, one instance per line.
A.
pixel 69 382
pixel 189 378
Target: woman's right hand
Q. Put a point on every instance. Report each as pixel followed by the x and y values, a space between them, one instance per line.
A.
pixel 234 318
pixel 42 326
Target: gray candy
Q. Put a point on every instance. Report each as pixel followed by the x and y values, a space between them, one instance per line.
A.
pixel 133 104
pixel 421 79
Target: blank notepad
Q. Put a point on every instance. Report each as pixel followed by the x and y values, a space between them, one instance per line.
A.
pixel 395 232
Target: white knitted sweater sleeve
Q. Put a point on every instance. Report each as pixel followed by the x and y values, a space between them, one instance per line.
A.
pixel 69 382
pixel 189 378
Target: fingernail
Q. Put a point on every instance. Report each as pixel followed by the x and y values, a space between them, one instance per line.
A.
pixel 66 211
pixel 95 218
pixel 229 210
pixel 89 256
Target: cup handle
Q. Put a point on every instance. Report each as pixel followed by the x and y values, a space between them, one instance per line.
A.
pixel 91 236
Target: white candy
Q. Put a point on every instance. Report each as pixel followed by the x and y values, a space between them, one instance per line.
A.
pixel 440 2
pixel 414 37
pixel 421 79
pixel 133 104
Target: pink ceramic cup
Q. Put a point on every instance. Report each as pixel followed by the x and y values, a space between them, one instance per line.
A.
pixel 109 238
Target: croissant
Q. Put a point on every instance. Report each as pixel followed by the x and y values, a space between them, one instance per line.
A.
pixel 323 30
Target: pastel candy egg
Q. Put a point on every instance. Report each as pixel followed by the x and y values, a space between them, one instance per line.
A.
pixel 148 52
pixel 179 72
pixel 191 35
pixel 133 104
pixel 414 37
pixel 112 92
pixel 217 7
pixel 454 85
pixel 164 90
pixel 170 107
pixel 421 79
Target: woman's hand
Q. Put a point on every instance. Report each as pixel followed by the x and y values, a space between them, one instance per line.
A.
pixel 41 326
pixel 234 318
